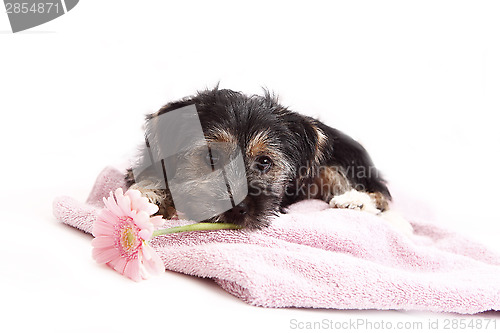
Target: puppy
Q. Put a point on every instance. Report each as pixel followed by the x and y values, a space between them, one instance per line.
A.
pixel 283 157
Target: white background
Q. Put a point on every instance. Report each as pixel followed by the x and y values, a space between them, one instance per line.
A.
pixel 418 83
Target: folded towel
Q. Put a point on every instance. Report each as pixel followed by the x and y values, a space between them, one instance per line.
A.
pixel 318 257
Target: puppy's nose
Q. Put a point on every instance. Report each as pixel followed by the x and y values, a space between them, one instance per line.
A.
pixel 238 211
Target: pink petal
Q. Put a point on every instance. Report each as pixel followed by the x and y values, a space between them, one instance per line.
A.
pixel 141 219
pixel 151 208
pixel 146 234
pixel 153 264
pixel 138 201
pixel 146 252
pixel 133 195
pixel 143 203
pixel 107 216
pixel 157 221
pixel 132 270
pixel 123 202
pixel 113 207
pixel 144 272
pixel 119 264
pixel 103 256
pixel 113 263
pixel 103 241
pixel 101 228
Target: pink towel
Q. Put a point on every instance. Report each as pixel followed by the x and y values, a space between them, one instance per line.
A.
pixel 318 257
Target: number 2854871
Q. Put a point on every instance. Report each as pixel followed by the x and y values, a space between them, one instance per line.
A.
pixel 35 8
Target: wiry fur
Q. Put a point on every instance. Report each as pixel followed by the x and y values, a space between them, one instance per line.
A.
pixel 309 159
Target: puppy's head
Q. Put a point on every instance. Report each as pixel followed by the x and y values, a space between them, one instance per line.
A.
pixel 243 162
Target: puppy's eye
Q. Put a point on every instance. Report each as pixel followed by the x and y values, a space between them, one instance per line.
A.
pixel 212 158
pixel 263 163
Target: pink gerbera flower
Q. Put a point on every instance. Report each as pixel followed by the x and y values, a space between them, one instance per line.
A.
pixel 121 232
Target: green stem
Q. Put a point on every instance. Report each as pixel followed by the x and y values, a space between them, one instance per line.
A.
pixel 196 227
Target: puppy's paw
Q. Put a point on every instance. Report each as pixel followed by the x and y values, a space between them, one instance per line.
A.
pixel 367 202
pixel 355 200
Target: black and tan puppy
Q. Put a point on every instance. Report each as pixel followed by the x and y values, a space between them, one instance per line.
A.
pixel 287 157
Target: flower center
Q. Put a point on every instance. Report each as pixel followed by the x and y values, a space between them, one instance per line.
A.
pixel 128 240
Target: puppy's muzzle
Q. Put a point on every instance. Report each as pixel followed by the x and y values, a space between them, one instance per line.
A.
pixel 238 212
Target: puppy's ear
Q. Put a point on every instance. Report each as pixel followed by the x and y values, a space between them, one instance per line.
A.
pixel 302 141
